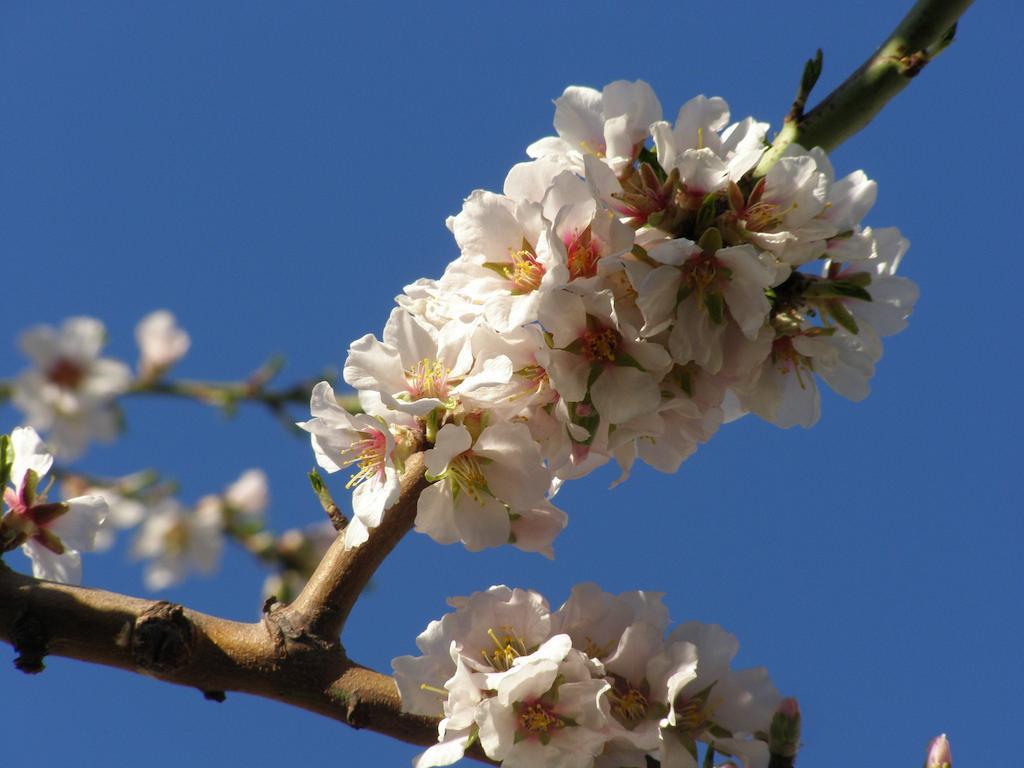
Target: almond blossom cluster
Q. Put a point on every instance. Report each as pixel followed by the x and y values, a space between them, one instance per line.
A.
pixel 635 285
pixel 595 683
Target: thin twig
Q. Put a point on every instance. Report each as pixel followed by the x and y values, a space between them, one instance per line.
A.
pixel 327 599
pixel 924 32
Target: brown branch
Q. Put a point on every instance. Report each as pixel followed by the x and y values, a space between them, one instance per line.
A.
pixel 293 655
pixel 185 647
pixel 327 599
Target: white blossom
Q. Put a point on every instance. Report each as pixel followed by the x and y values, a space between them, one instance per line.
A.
pixel 161 343
pixel 176 540
pixel 51 534
pixel 70 391
pixel 481 484
pixel 340 440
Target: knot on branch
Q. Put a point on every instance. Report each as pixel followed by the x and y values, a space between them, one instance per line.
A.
pixel 28 636
pixel 163 638
pixel 912 64
pixel 289 631
pixel 355 715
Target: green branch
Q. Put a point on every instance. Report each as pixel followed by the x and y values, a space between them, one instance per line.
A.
pixel 924 32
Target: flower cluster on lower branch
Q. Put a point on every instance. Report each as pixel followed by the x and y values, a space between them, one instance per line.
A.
pixel 595 683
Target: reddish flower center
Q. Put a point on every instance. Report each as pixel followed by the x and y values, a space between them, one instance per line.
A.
pixel 601 345
pixel 583 254
pixel 65 373
pixel 525 271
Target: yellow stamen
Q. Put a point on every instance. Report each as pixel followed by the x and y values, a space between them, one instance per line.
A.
pixel 508 648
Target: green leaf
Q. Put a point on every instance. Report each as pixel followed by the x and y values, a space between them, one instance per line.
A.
pixel 812 71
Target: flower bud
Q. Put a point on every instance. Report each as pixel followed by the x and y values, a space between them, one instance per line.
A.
pixel 939 755
pixel 784 733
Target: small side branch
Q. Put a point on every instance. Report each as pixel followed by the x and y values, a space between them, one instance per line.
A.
pixel 327 599
pixel 924 32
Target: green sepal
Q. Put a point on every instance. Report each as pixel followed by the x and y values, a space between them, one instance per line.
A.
pixel 649 157
pixel 710 241
pixel 499 268
pixel 862 279
pixel 838 312
pixel 28 489
pixel 719 732
pixel 627 361
pixel 6 460
pixel 641 254
pixel 691 745
pixel 44 514
pixel 847 289
pixel 686 381
pixel 715 305
pixel 706 215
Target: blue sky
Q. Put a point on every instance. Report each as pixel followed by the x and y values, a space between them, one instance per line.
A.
pixel 275 174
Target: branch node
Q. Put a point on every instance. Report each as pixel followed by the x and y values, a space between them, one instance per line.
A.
pixel 288 630
pixel 354 714
pixel 218 696
pixel 163 638
pixel 30 643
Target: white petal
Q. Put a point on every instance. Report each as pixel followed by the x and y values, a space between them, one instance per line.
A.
pixel 65 568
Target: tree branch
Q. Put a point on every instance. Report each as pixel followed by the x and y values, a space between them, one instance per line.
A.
pixel 921 35
pixel 293 655
pixel 185 647
pixel 327 599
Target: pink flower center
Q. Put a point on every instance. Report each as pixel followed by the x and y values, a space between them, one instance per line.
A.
pixel 525 271
pixel 429 378
pixel 583 254
pixel 371 455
